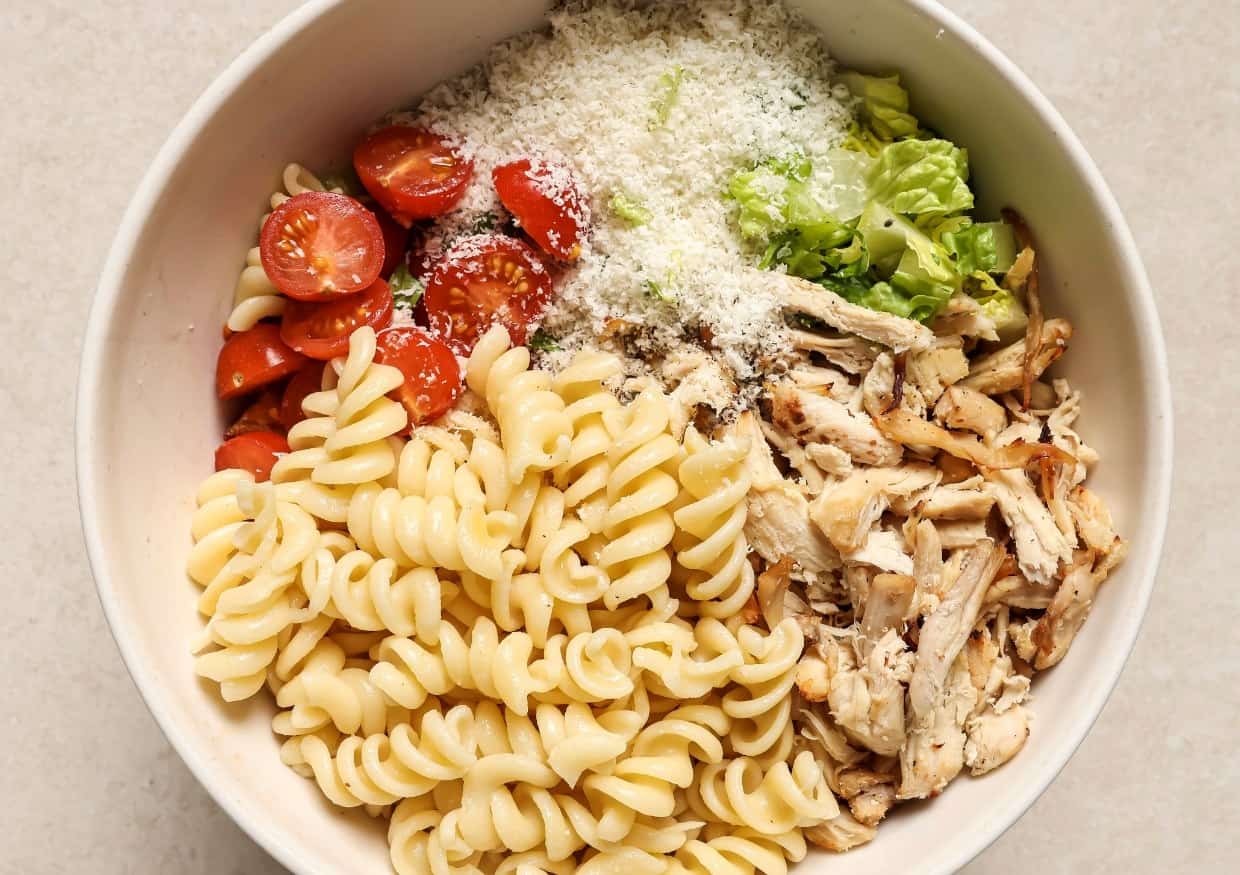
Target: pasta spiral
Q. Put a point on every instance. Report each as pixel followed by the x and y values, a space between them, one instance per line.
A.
pixel 583 475
pixel 711 539
pixel 761 701
pixel 740 852
pixel 535 431
pixel 638 523
pixel 737 792
pixel 380 769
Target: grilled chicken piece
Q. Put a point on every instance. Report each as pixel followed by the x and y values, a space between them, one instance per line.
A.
pixel 823 381
pixel 960 407
pixel 831 460
pixel 1017 592
pixel 957 534
pixel 1073 600
pixel 865 686
pixel 801 296
pixel 870 794
pixel 815 419
pixel 1003 370
pixel 883 549
pixel 778 523
pixel 934 751
pixel 1040 545
pixel 888 605
pixel 1093 520
pixel 963 316
pixel 927 567
pixel 967 577
pixel 851 354
pixel 995 738
pixel 933 370
pixel 848 510
pixel 958 501
pixel 813 476
pixel 840 833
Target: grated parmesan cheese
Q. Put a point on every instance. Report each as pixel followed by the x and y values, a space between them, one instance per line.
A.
pixel 751 82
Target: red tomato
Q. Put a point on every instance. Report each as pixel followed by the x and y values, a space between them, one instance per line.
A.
pixel 305 382
pixel 322 331
pixel 251 359
pixel 482 280
pixel 547 202
pixel 254 451
pixel 412 172
pixel 432 375
pixel 318 245
pixel 395 242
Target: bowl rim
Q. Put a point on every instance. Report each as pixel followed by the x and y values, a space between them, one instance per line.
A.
pixel 1159 421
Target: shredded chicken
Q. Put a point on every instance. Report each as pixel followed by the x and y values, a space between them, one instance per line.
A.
pixel 1003 371
pixel 816 419
pixel 963 317
pixel 1040 545
pixel 960 407
pixel 851 354
pixel 848 510
pixel 801 296
pixel 933 370
pixel 1073 600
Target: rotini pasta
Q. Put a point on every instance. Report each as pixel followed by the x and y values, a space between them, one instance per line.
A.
pixel 583 475
pixel 739 793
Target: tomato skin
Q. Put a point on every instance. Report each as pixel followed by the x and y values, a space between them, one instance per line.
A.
pixel 482 280
pixel 254 451
pixel 395 242
pixel 319 245
pixel 252 359
pixel 321 331
pixel 547 201
pixel 432 373
pixel 414 173
pixel 305 382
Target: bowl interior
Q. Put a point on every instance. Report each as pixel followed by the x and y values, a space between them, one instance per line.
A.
pixel 148 420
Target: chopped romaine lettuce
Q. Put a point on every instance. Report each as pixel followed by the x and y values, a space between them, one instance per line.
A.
pixel 656 291
pixel 406 288
pixel 988 246
pixel 543 342
pixel 847 190
pixel 666 91
pixel 922 178
pixel 629 209
pixel 883 107
pixel 925 274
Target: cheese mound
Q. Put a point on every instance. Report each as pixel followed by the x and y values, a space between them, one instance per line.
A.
pixel 654 110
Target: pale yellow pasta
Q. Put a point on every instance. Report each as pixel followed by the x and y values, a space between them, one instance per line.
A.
pixel 583 475
pixel 638 524
pixel 761 702
pixel 740 852
pixel 378 596
pixel 521 602
pixel 534 429
pixel 416 845
pixel 710 541
pixel 328 690
pixel 774 802
pixel 686 661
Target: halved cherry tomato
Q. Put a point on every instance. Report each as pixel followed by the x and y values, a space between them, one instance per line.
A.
pixel 251 359
pixel 412 172
pixel 305 382
pixel 482 280
pixel 547 201
pixel 254 451
pixel 318 245
pixel 432 375
pixel 395 242
pixel 322 331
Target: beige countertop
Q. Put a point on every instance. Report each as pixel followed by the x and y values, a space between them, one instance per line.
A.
pixel 90 89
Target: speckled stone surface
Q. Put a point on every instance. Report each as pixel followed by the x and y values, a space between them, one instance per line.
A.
pixel 90 89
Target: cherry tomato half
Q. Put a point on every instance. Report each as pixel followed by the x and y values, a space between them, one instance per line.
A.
pixel 412 172
pixel 322 331
pixel 305 382
pixel 319 245
pixel 432 374
pixel 254 451
pixel 251 359
pixel 481 280
pixel 547 202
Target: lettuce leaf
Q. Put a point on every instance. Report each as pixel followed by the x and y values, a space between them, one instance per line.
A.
pixel 406 288
pixel 631 210
pixel 1003 307
pixel 667 91
pixel 922 178
pixel 882 111
pixel 988 246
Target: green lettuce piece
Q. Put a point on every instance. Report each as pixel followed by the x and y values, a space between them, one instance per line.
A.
pixel 667 90
pixel 883 106
pixel 848 191
pixel 406 288
pixel 988 246
pixel 922 178
pixel 926 275
pixel 1003 307
pixel 542 342
pixel 881 296
pixel 629 209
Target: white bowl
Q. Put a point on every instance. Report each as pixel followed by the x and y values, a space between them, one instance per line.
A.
pixel 148 420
